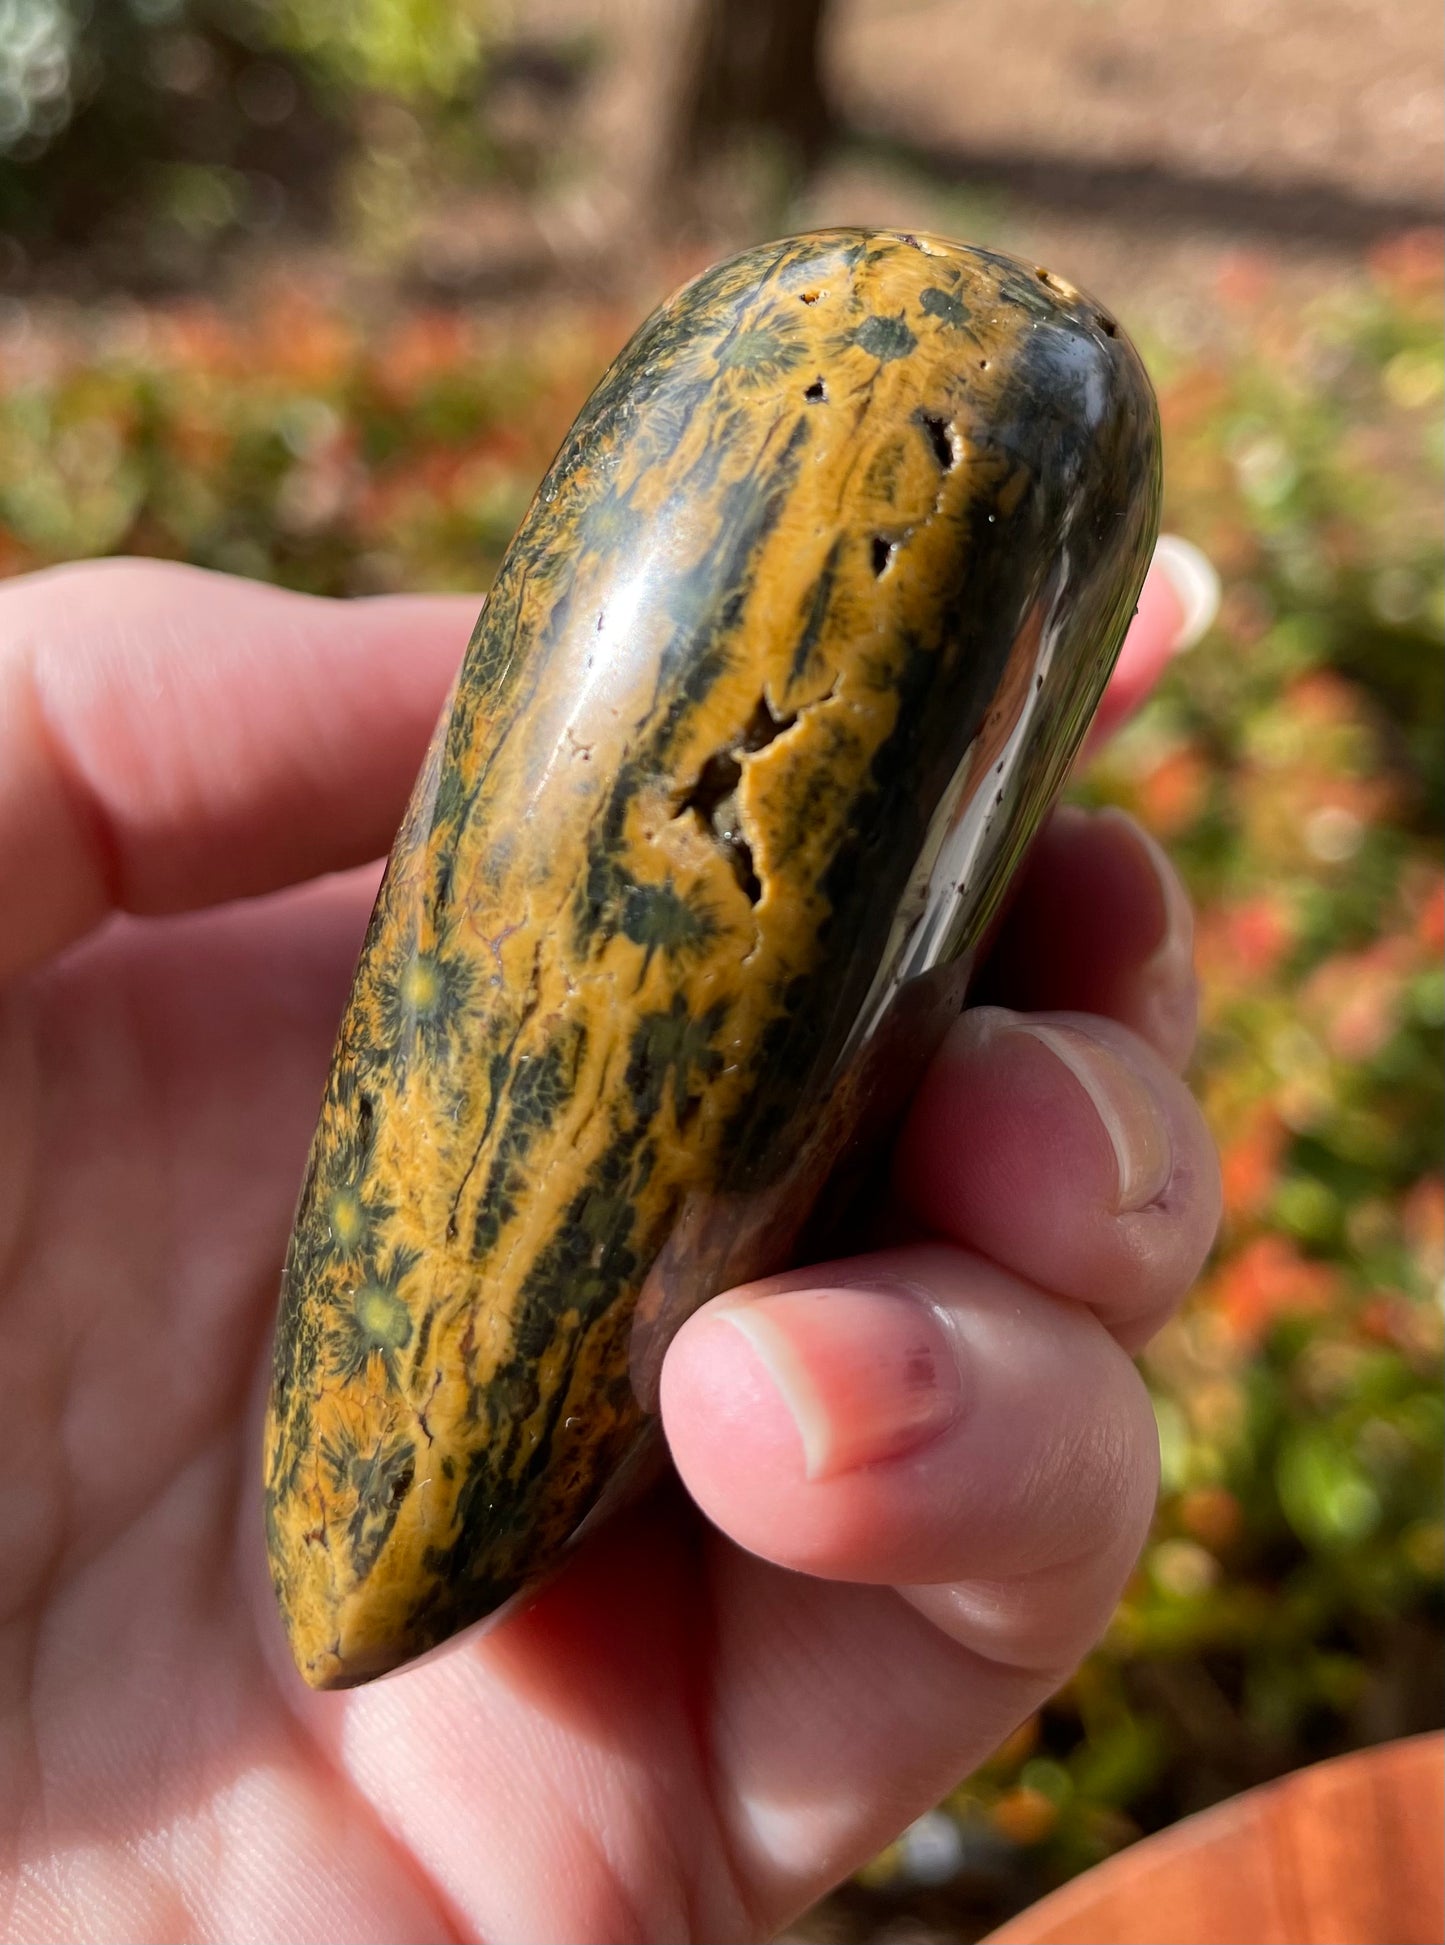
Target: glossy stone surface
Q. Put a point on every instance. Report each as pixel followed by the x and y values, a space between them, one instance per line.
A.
pixel 785 664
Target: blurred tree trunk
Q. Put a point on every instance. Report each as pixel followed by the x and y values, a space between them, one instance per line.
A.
pixel 752 73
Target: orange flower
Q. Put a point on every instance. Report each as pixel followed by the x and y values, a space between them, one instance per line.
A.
pixel 1411 264
pixel 302 341
pixel 1423 1217
pixel 1212 1516
pixel 196 336
pixel 1355 996
pixel 1172 794
pixel 420 349
pixel 1430 921
pixel 1025 1816
pixel 1192 400
pixel 14 559
pixel 197 439
pixel 1244 280
pixel 1268 1279
pixel 1324 699
pixel 1249 1164
pixel 1258 932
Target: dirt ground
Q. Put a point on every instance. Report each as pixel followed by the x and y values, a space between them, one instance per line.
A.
pixel 1138 146
pixel 1344 93
pixel 1142 148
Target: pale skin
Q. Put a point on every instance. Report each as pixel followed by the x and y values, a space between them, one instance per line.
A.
pixel 900 1513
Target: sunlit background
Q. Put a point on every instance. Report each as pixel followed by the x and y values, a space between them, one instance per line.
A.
pixel 310 289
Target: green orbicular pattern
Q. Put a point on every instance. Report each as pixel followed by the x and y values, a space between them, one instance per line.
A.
pixel 779 674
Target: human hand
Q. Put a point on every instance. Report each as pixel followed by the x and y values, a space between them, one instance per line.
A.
pixel 922 1494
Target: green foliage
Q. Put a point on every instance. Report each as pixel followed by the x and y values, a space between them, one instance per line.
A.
pixel 417 50
pixel 146 133
pixel 39 57
pixel 57 56
pixel 1289 1603
pixel 296 447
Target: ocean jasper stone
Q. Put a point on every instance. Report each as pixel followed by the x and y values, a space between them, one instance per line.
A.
pixel 777 679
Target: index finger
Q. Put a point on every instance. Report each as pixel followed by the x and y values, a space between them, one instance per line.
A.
pixel 172 738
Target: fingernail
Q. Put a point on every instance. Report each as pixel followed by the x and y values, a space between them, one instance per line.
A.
pixel 866 1374
pixel 1174 954
pixel 1143 1153
pixel 1195 583
pixel 1167 987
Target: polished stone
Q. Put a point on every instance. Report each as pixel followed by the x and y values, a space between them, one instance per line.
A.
pixel 779 675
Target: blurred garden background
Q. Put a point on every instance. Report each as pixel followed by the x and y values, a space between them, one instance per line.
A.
pixel 310 289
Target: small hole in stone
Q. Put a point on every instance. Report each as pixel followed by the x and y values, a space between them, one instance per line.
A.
pixel 911 241
pixel 983 364
pixel 883 552
pixel 762 727
pixel 809 296
pixel 713 798
pixel 1107 325
pixel 816 391
pixel 937 433
pixel 716 781
pixel 742 862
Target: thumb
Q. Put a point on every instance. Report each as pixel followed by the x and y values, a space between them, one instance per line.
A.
pixel 1177 603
